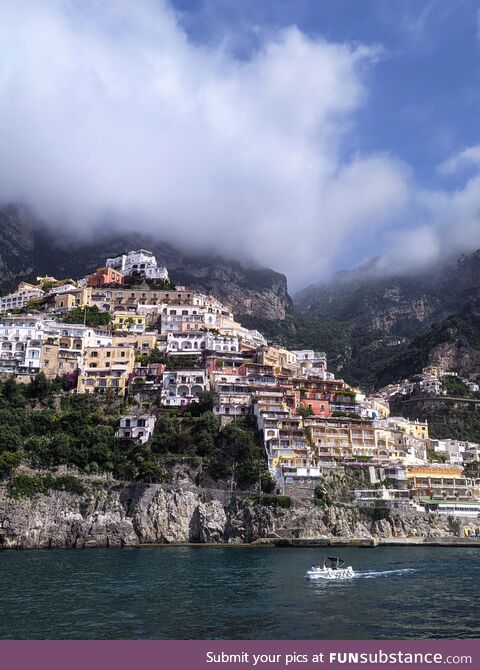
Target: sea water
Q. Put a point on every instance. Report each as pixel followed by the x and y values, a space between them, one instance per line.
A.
pixel 238 593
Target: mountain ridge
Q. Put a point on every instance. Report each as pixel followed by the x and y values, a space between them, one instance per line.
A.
pixel 28 249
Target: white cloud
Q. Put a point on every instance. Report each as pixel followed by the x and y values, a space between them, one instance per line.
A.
pixel 469 157
pixel 109 113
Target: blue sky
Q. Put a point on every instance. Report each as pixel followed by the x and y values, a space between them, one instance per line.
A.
pixel 307 135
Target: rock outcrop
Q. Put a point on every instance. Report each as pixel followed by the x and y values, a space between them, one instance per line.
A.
pixel 118 515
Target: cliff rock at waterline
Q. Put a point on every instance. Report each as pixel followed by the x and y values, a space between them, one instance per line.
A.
pixel 127 515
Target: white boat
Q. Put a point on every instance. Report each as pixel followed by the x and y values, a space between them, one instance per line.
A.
pixel 332 568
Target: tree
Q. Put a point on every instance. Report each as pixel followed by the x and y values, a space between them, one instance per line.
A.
pixel 9 460
pixel 152 357
pixel 91 316
pixel 304 411
pixel 204 404
pixel 10 438
pixel 267 483
pixel 151 473
pixel 12 394
pixel 39 388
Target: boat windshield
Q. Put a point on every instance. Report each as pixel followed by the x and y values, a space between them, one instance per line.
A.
pixel 333 562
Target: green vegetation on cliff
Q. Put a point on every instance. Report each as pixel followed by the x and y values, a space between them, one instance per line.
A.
pixel 460 332
pixel 44 428
pixel 355 353
pixel 446 418
pixel 90 316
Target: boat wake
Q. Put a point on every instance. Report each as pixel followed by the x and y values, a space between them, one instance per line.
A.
pixel 372 574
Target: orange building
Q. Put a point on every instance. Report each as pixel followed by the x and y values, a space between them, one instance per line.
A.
pixel 318 407
pixel 104 276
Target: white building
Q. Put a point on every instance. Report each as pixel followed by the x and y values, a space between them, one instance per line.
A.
pixel 22 339
pixel 225 343
pixel 64 288
pixel 311 358
pixel 20 344
pixel 431 386
pixel 456 452
pixel 136 428
pixel 185 343
pixel 75 331
pixel 472 452
pixel 233 397
pixel 383 497
pixel 181 387
pixel 141 262
pixel 20 298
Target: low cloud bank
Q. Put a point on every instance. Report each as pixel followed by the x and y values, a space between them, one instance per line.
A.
pixel 109 114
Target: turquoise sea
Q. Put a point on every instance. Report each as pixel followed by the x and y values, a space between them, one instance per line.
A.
pixel 238 593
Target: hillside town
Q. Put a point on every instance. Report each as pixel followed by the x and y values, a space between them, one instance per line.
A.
pixel 125 331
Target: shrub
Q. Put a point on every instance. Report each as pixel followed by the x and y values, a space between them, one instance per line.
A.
pixel 67 483
pixel 321 497
pixel 274 501
pixel 90 316
pixel 9 460
pixel 26 486
pixel 267 482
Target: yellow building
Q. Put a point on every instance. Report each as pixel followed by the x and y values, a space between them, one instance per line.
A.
pixel 106 369
pixel 387 443
pixel 340 438
pixel 415 428
pixel 130 297
pixel 380 406
pixel 65 302
pixel 56 361
pixel 440 481
pixel 277 357
pixel 141 342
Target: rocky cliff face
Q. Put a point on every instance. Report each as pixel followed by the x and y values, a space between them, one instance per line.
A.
pixel 119 515
pixel 28 249
pixel 459 356
pixel 401 305
pixel 16 245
